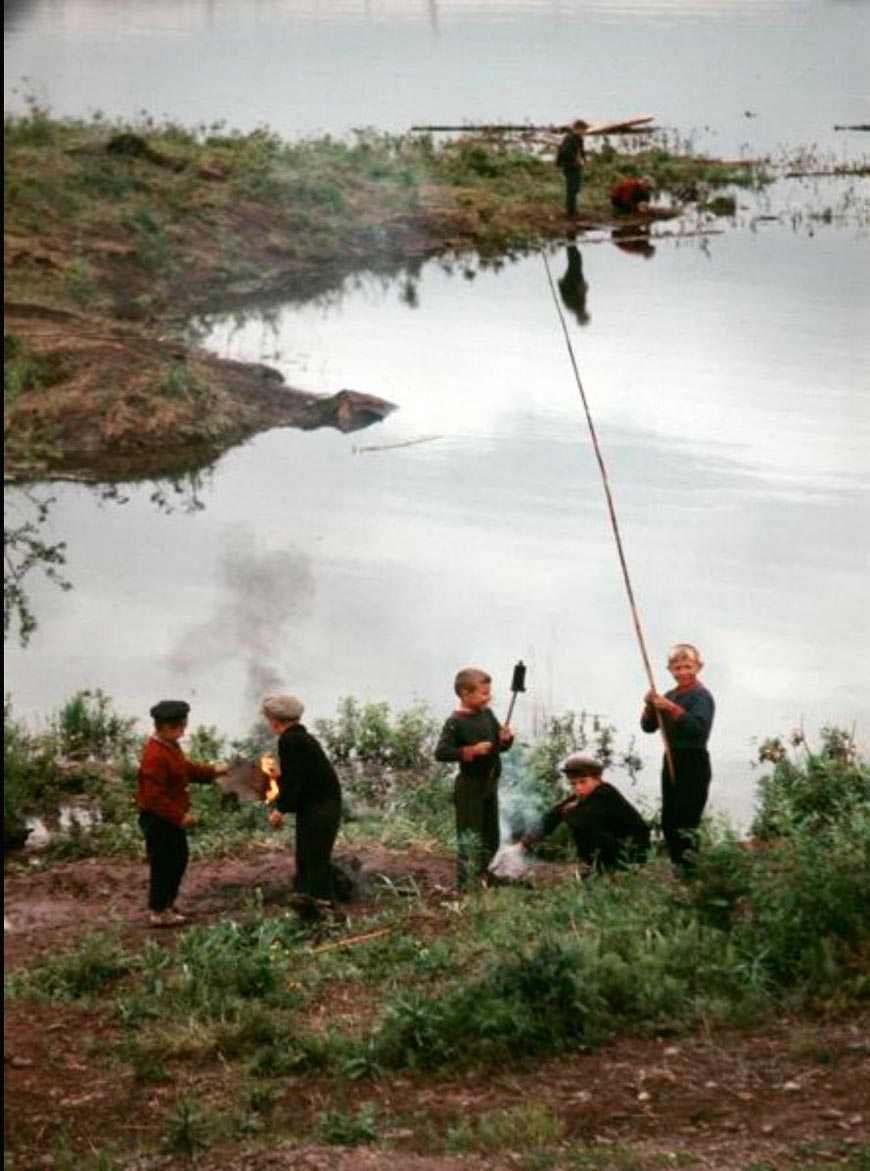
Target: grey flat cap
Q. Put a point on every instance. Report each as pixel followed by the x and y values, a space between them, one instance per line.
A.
pixel 582 766
pixel 283 707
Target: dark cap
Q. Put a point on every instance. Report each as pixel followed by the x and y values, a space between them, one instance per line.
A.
pixel 582 766
pixel 170 711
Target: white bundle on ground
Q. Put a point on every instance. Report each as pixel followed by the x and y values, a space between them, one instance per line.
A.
pixel 510 863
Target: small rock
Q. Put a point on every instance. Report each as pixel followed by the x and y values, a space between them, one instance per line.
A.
pixel 21 1062
pixel 644 1096
pixel 791 1087
pixel 767 1128
pixel 856 1119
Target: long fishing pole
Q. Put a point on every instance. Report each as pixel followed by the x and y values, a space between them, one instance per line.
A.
pixel 612 513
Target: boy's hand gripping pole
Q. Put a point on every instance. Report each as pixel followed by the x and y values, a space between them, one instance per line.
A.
pixel 518 684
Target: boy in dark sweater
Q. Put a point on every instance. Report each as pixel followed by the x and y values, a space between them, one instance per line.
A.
pixel 473 738
pixel 570 159
pixel 308 786
pixel 608 831
pixel 686 713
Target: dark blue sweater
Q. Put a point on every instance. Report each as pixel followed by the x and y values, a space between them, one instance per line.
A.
pixel 691 730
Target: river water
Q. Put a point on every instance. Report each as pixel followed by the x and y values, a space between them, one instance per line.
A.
pixel 726 372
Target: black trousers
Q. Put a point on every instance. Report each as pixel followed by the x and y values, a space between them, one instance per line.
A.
pixel 167 859
pixel 607 851
pixel 683 800
pixel 477 831
pixel 572 189
pixel 316 831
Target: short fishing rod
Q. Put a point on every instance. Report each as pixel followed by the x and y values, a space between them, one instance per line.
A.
pixel 612 513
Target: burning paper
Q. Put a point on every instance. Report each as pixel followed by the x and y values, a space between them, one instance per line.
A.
pixel 247 781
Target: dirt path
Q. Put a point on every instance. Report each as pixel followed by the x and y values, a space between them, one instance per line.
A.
pixel 794 1094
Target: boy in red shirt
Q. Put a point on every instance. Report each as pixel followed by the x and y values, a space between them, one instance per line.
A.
pixel 632 195
pixel 163 798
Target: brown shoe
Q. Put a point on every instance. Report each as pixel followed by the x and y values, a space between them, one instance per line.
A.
pixel 167 918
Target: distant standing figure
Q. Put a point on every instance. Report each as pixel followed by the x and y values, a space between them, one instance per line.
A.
pixel 164 807
pixel 473 738
pixel 608 831
pixel 573 286
pixel 687 712
pixel 571 158
pixel 309 787
pixel 632 195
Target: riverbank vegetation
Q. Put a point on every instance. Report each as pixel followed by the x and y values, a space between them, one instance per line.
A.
pixel 259 1027
pixel 116 235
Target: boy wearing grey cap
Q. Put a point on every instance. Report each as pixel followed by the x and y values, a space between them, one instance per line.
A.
pixel 608 831
pixel 162 794
pixel 309 787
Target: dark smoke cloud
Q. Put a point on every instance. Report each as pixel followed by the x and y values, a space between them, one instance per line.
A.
pixel 263 593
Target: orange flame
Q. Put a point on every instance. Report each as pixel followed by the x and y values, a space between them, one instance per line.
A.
pixel 269 769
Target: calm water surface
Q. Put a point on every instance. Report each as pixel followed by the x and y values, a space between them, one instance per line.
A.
pixel 729 389
pixel 761 74
pixel 727 376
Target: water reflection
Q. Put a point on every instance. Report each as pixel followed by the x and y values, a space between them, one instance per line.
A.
pixel 741 490
pixel 403 62
pixel 26 549
pixel 30 549
pixel 573 286
pixel 635 239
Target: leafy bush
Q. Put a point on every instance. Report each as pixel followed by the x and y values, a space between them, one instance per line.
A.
pixel 338 1128
pixel 810 788
pixel 26 763
pixel 87 726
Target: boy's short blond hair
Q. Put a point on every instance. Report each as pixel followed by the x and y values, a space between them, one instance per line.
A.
pixel 684 650
pixel 468 679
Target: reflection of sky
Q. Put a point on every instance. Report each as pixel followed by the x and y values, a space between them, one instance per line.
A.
pixel 764 73
pixel 729 392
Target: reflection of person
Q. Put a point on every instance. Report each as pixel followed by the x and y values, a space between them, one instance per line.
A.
pixel 309 787
pixel 632 194
pixel 573 286
pixel 571 158
pixel 473 738
pixel 163 798
pixel 608 831
pixel 687 712
pixel 635 239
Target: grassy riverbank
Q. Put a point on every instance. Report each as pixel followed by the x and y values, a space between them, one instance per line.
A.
pixel 116 235
pixel 581 1023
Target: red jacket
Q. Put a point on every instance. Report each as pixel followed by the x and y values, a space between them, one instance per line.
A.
pixel 628 193
pixel 163 779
